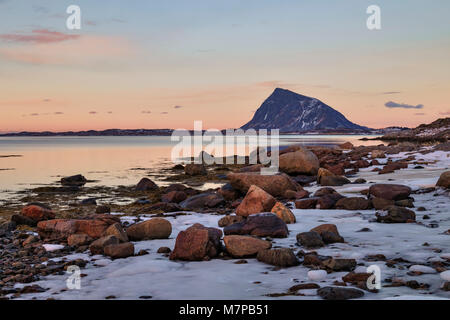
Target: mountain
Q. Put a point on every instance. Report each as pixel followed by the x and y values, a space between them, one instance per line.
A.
pixel 438 130
pixel 292 112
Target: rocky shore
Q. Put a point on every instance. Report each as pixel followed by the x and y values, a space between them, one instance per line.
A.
pixel 310 231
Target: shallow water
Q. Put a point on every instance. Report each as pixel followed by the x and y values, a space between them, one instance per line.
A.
pixel 110 161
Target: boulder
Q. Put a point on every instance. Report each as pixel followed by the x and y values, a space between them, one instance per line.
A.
pixel 390 191
pixel 79 239
pixel 325 191
pixel 276 185
pixel 302 161
pixel 120 250
pixel 339 264
pixel 146 185
pixel 74 181
pixel 283 212
pixel 195 169
pixel 37 213
pixel 282 257
pixel 155 228
pixel 329 233
pixel 309 203
pixel 260 225
pixel 102 209
pixel 19 219
pixel 310 239
pixel 334 181
pixel 339 293
pixel 174 196
pixel 381 204
pixel 229 220
pixel 117 231
pixel 244 246
pixel 323 173
pixel 291 194
pixel 378 154
pixel 346 146
pixel 353 203
pixel 395 214
pixel 197 243
pixel 60 229
pixel 228 192
pixel 98 246
pixel 202 200
pixel 328 201
pixel 444 180
pixel 255 201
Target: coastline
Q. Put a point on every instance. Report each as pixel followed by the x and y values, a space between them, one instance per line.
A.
pixel 130 278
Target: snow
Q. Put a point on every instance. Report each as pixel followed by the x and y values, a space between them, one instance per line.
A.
pixel 52 247
pixel 317 275
pixel 445 275
pixel 422 269
pixel 157 276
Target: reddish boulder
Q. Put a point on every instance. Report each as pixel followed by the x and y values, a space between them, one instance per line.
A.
pixel 146 185
pixel 353 203
pixel 195 169
pixel 98 246
pixel 390 191
pixel 174 196
pixel 255 201
pixel 120 250
pixel 283 212
pixel 79 239
pixel 37 213
pixel 260 225
pixel 302 161
pixel 395 214
pixel 197 243
pixel 444 180
pixel 229 220
pixel 155 228
pixel 309 203
pixel 276 185
pixel 282 257
pixel 244 246
pixel 202 201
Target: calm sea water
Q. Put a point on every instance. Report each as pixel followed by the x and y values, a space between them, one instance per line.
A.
pixel 34 161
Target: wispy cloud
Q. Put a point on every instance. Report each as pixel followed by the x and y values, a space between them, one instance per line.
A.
pixel 146 111
pixel 165 112
pixel 92 112
pixel 38 36
pixel 419 114
pixel 445 113
pixel 391 92
pixel 392 104
pixel 52 49
pixel 178 107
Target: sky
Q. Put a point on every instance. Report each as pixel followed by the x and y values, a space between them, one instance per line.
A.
pixel 164 64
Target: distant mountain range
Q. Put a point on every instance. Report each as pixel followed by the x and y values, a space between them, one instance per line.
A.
pixel 291 112
pixel 285 110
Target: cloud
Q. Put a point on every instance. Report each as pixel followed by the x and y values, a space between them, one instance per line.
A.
pixel 178 107
pixel 146 111
pixel 58 112
pixel 446 113
pixel 92 112
pixel 34 114
pixel 41 9
pixel 38 36
pixel 391 92
pixel 86 50
pixel 164 112
pixel 419 114
pixel 392 104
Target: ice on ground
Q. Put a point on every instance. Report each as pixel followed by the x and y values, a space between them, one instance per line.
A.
pixel 317 275
pixel 155 275
pixel 445 275
pixel 52 247
pixel 422 269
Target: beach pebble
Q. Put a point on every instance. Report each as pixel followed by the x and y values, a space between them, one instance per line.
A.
pixel 317 275
pixel 52 247
pixel 422 269
pixel 445 275
pixel 445 256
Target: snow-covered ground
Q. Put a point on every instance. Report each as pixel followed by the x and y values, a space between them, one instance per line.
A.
pixel 156 276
